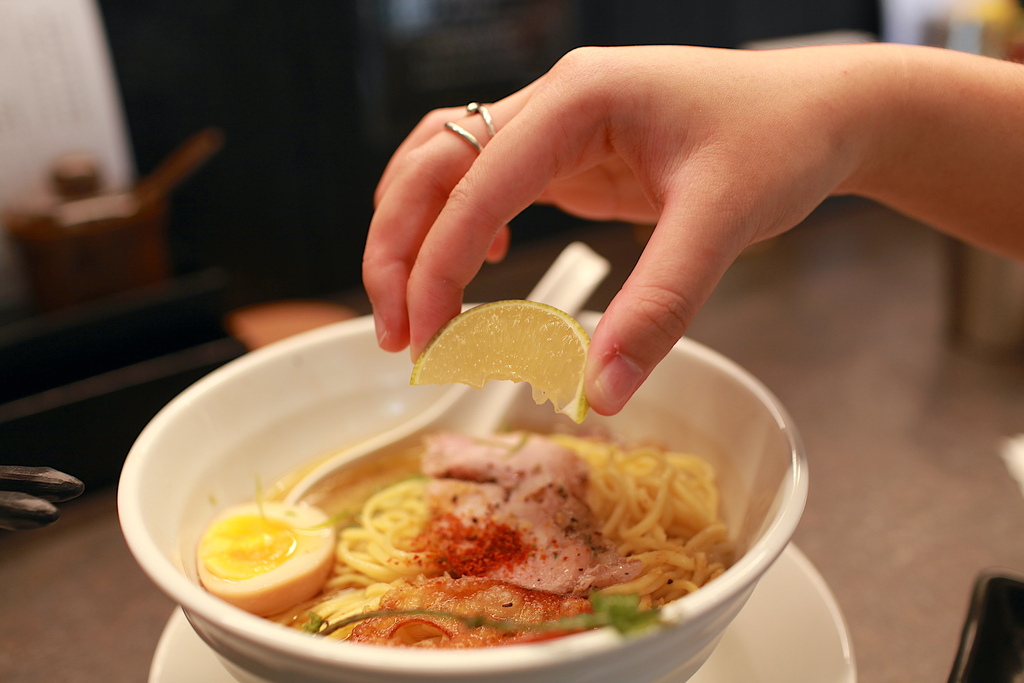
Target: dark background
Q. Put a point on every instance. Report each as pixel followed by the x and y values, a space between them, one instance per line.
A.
pixel 314 94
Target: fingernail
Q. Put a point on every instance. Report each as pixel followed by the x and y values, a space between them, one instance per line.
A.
pixel 616 382
pixel 382 331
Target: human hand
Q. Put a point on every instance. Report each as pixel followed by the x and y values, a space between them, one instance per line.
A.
pixel 718 148
pixel 28 494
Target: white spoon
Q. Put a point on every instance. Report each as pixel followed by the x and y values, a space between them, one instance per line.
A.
pixel 567 285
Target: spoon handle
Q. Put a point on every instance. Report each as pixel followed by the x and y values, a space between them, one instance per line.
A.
pixel 571 279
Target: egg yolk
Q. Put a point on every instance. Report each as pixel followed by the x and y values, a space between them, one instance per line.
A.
pixel 245 546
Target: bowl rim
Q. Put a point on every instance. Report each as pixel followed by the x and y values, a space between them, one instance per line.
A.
pixel 199 605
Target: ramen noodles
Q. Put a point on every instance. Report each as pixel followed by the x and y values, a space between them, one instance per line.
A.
pixel 517 529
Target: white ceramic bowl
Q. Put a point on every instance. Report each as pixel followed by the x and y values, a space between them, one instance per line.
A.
pixel 281 406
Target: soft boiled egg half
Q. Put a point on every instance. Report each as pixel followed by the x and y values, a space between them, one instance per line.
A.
pixel 266 557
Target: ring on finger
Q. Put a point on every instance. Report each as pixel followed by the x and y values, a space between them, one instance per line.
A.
pixel 472 109
pixel 464 134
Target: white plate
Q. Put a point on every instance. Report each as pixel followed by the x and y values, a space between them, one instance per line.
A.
pixel 790 631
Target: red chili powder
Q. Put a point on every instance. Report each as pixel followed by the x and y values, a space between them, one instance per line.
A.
pixel 472 549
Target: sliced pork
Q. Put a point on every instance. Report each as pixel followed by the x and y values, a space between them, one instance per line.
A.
pixel 512 508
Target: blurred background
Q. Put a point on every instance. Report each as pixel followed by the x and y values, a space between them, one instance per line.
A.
pixel 313 97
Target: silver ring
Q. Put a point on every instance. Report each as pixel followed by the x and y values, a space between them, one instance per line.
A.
pixel 464 134
pixel 477 108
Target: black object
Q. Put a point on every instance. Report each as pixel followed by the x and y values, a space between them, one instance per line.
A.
pixel 80 384
pixel 22 511
pixel 44 482
pixel 45 352
pixel 28 494
pixel 992 642
pixel 312 98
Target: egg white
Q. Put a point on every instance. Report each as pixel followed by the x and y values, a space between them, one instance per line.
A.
pixel 297 578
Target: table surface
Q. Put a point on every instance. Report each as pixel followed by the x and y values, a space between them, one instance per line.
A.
pixel 845 320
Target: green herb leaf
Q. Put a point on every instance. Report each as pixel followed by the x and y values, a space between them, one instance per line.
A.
pixel 623 613
pixel 314 622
